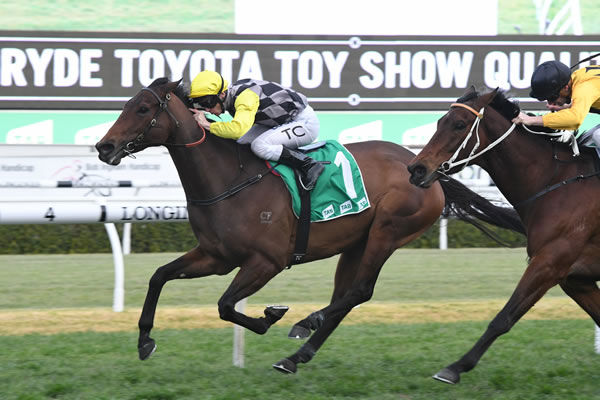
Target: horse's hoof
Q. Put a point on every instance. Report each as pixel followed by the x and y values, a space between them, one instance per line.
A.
pixel 299 332
pixel 147 349
pixel 285 366
pixel 446 375
pixel 275 313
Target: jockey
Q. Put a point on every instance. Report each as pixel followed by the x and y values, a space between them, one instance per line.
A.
pixel 275 120
pixel 571 95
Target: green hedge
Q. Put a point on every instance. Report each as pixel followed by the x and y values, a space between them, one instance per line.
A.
pixel 178 237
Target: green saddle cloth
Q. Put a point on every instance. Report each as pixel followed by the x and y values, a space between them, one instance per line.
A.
pixel 340 189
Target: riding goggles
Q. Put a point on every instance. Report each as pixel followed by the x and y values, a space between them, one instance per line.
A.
pixel 553 97
pixel 205 102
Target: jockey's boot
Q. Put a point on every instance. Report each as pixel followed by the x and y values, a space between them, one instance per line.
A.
pixel 309 168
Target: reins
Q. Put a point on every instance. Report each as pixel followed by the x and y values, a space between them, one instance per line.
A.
pixel 447 165
pixel 163 105
pixel 549 189
pixel 230 192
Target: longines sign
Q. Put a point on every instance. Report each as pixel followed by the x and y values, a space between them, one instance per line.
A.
pixel 86 70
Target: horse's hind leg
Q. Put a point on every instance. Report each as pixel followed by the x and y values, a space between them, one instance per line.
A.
pixel 193 264
pixel 581 286
pixel 363 276
pixel 251 277
pixel 346 269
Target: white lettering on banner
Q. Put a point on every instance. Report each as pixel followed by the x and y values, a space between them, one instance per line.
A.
pixel 250 66
pixel 226 58
pixel 514 70
pixel 310 67
pixel 13 61
pixel 421 69
pixel 65 67
pixel 126 56
pixel 177 63
pixel 40 63
pixel 69 67
pixel 367 62
pixel 287 59
pixel 152 66
pixel 201 60
pixel 455 67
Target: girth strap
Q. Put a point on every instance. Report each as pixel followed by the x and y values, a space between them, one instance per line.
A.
pixel 303 229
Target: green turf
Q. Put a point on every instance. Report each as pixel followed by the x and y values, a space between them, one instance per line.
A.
pixel 514 16
pixel 539 360
pixel 536 360
pixel 410 275
pixel 118 15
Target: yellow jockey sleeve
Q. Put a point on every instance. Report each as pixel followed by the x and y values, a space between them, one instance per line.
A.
pixel 246 106
pixel 586 94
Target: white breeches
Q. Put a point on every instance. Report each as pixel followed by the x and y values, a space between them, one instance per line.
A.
pixel 590 136
pixel 267 142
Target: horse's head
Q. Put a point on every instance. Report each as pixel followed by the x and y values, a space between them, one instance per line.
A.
pixel 146 120
pixel 463 133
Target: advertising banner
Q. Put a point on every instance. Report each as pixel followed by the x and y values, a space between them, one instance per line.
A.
pixel 101 71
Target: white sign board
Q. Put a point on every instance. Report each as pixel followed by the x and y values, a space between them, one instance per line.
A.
pixel 71 172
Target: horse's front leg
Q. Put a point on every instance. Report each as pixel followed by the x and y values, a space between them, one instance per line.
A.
pixel 193 264
pixel 541 274
pixel 252 276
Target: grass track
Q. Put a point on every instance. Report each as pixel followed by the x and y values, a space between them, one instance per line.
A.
pixel 385 349
pixel 544 360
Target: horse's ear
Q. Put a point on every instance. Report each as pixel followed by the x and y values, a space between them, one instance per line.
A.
pixel 470 90
pixel 489 97
pixel 171 86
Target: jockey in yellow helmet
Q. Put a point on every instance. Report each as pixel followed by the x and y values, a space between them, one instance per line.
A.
pixel 275 120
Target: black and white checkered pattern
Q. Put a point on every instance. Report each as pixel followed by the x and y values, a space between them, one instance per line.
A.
pixel 278 104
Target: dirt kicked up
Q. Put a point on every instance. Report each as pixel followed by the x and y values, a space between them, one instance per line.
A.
pixel 21 322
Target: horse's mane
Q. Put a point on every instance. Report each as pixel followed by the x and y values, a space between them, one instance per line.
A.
pixel 502 102
pixel 181 91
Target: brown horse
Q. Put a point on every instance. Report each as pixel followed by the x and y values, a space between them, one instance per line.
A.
pixel 554 192
pixel 231 228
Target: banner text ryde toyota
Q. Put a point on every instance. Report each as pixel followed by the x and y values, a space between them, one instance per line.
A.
pixel 102 71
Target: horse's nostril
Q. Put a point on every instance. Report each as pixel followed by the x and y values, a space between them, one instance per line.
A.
pixel 104 148
pixel 417 170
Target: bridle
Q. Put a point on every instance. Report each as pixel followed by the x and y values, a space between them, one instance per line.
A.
pixel 451 163
pixel 447 165
pixel 163 105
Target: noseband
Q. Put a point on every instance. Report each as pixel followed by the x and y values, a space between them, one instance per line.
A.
pixel 451 163
pixel 163 105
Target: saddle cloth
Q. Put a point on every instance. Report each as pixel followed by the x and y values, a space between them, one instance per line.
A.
pixel 340 189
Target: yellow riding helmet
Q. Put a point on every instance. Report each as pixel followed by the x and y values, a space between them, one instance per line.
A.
pixel 207 83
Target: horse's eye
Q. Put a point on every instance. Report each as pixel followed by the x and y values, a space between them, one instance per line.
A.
pixel 142 110
pixel 460 125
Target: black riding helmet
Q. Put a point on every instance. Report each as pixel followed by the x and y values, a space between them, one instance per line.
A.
pixel 548 79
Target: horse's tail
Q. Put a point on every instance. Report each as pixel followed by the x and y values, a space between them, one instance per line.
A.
pixel 468 206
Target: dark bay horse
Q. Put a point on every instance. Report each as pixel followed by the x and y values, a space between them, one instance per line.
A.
pixel 254 228
pixel 555 193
